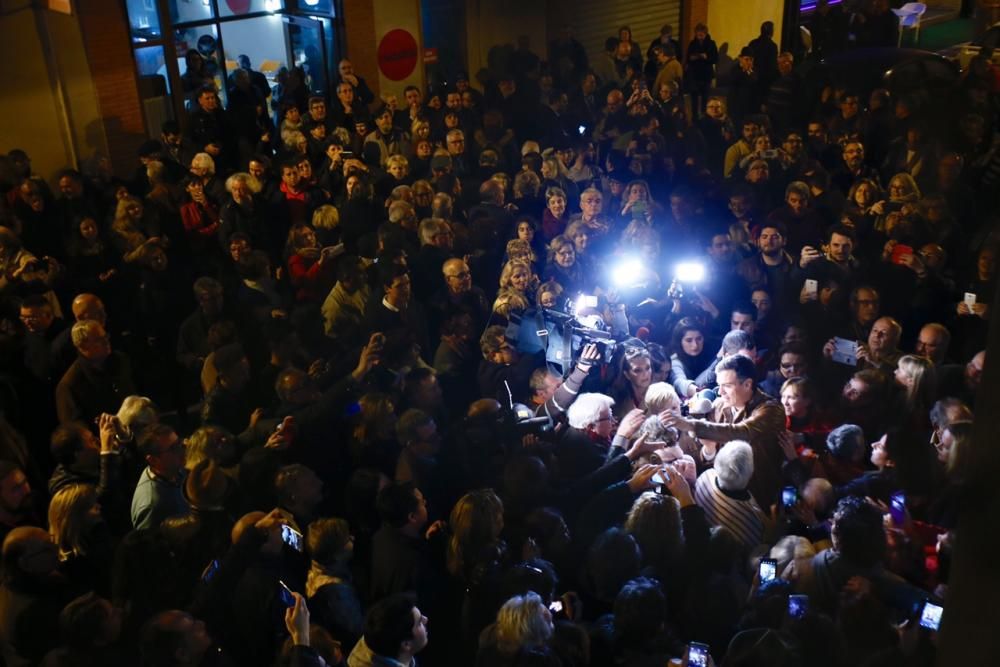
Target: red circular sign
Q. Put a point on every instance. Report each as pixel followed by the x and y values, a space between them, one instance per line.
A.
pixel 397 54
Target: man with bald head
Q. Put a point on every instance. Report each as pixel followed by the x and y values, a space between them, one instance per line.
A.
pixel 882 350
pixel 458 296
pixel 98 381
pixel 932 342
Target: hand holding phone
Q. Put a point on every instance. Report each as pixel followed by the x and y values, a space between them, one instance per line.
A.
pixel 768 570
pixel 789 497
pixel 292 537
pixel 798 605
pixel 285 594
pixel 897 508
pixel 698 655
pixel 930 616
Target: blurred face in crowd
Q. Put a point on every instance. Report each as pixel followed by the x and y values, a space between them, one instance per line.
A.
pixel 840 247
pixel 458 277
pixel 168 458
pixel 794 402
pixel 742 322
pixel 692 343
pixel 880 456
pixel 520 278
pixel 639 373
pixel 605 424
pixel 856 392
pixel 867 305
pixel 882 337
pixel 317 109
pixel 398 293
pixel 849 106
pixel 525 231
pixel 796 203
pixel 771 242
pixel 291 177
pixel 721 249
pixel 854 155
pixel 931 344
pixel 590 205
pixel 345 93
pixel 739 206
pixel 37 319
pixel 565 256
pixel 793 145
pixel 715 109
pixel 15 493
pixel 208 101
pixel 238 248
pixel 793 365
pixel 96 348
pixel 557 206
pixel 762 302
pixel 974 370
pixel 985 265
pixel 758 172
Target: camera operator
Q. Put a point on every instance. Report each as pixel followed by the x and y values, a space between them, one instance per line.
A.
pixel 503 363
pixel 552 395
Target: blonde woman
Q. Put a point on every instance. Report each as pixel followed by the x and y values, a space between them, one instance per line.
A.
pixel 325 222
pixel 915 375
pixel 79 532
pixel 520 635
pixel 517 275
pixel 132 230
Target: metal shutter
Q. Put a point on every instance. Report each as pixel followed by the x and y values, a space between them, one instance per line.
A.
pixel 594 21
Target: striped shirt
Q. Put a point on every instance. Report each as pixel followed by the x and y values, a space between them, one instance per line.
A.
pixel 742 517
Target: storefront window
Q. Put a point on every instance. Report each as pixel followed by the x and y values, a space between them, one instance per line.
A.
pixel 241 7
pixel 144 20
pixel 152 65
pixel 198 60
pixel 262 40
pixel 186 11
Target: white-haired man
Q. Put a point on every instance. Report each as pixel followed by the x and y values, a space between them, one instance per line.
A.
pixel 722 492
pixel 99 379
pixel 591 438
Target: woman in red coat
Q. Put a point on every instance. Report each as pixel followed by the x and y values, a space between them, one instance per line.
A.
pixel 311 269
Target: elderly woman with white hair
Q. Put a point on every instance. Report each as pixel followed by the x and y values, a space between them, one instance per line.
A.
pixel 521 634
pixel 722 492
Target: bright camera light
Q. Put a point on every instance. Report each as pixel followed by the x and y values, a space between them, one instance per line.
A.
pixel 628 273
pixel 690 272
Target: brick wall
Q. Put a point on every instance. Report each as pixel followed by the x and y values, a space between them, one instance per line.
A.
pixel 693 12
pixel 108 46
pixel 359 33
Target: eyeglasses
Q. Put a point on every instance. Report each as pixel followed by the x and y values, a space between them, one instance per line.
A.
pixel 461 276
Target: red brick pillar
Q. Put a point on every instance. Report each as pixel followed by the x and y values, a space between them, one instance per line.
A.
pixel 361 50
pixel 106 39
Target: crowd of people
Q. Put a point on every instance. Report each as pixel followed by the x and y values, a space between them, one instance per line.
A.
pixel 266 402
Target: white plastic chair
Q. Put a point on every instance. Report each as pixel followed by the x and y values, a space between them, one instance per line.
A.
pixel 909 17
